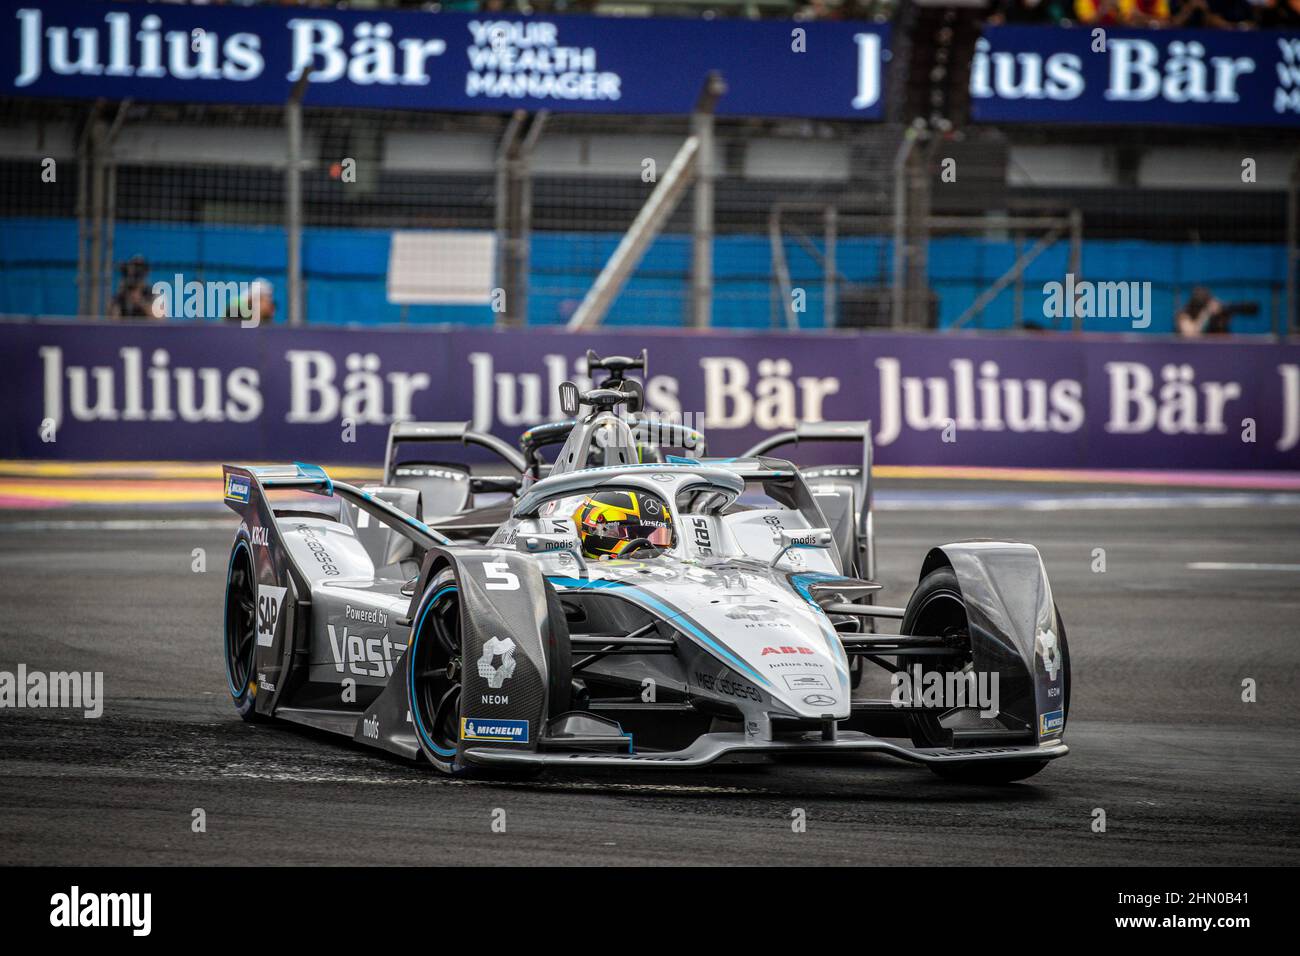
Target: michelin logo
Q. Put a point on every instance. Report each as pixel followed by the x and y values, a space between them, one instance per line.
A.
pixel 1051 723
pixel 237 488
pixel 498 731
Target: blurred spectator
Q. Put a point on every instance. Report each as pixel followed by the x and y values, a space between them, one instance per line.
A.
pixel 258 305
pixel 1146 13
pixel 815 10
pixel 1204 314
pixel 1130 13
pixel 1098 12
pixel 1278 14
pixel 135 298
pixel 1221 14
pixel 1051 12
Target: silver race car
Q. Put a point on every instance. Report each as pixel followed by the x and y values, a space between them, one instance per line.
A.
pixel 626 607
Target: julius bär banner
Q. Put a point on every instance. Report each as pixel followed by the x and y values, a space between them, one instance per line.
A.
pixel 478 62
pixel 444 61
pixel 227 393
pixel 1112 76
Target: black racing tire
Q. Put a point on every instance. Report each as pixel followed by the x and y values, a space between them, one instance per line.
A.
pixel 433 683
pixel 434 657
pixel 240 631
pixel 988 771
pixel 559 656
pixel 936 607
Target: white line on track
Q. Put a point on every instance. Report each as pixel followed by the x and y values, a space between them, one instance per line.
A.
pixel 1242 566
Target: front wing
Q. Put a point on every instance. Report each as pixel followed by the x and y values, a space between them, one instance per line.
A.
pixel 711 747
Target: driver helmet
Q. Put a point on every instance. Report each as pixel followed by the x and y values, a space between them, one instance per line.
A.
pixel 608 520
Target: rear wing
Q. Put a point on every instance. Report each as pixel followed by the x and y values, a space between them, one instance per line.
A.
pixel 246 486
pixel 650 432
pixel 443 432
pixel 808 432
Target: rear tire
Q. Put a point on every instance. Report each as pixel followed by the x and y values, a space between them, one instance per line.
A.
pixel 240 637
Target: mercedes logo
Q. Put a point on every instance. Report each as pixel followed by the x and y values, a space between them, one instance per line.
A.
pixel 819 700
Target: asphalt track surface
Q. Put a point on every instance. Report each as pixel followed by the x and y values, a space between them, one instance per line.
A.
pixel 1186 772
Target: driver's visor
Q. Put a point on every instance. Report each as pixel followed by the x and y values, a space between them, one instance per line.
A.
pixel 661 536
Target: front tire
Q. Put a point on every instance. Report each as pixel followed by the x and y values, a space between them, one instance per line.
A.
pixel 938 608
pixel 433 673
pixel 434 682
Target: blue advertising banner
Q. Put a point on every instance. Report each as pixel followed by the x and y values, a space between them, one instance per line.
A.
pixel 444 61
pixel 1187 77
pixel 207 392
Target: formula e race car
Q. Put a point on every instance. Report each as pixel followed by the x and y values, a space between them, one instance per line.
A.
pixel 619 612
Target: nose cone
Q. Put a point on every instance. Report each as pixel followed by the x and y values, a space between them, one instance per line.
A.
pixel 787 643
pixel 805 676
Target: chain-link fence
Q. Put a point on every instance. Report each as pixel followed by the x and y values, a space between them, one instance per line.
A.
pixel 480 218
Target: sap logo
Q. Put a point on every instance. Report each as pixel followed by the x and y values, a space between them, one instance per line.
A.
pixel 364 657
pixel 370 728
pixel 260 536
pixel 786 649
pixel 269 601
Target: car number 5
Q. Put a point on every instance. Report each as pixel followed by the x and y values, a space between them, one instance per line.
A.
pixel 499 576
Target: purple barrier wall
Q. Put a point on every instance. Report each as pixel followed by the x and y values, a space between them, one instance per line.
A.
pixel 225 393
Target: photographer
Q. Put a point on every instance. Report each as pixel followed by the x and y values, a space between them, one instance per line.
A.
pixel 134 298
pixel 1206 315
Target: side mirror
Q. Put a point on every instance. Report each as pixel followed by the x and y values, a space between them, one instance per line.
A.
pixel 802 538
pixel 539 544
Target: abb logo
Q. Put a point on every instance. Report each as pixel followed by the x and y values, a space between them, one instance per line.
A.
pixel 786 649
